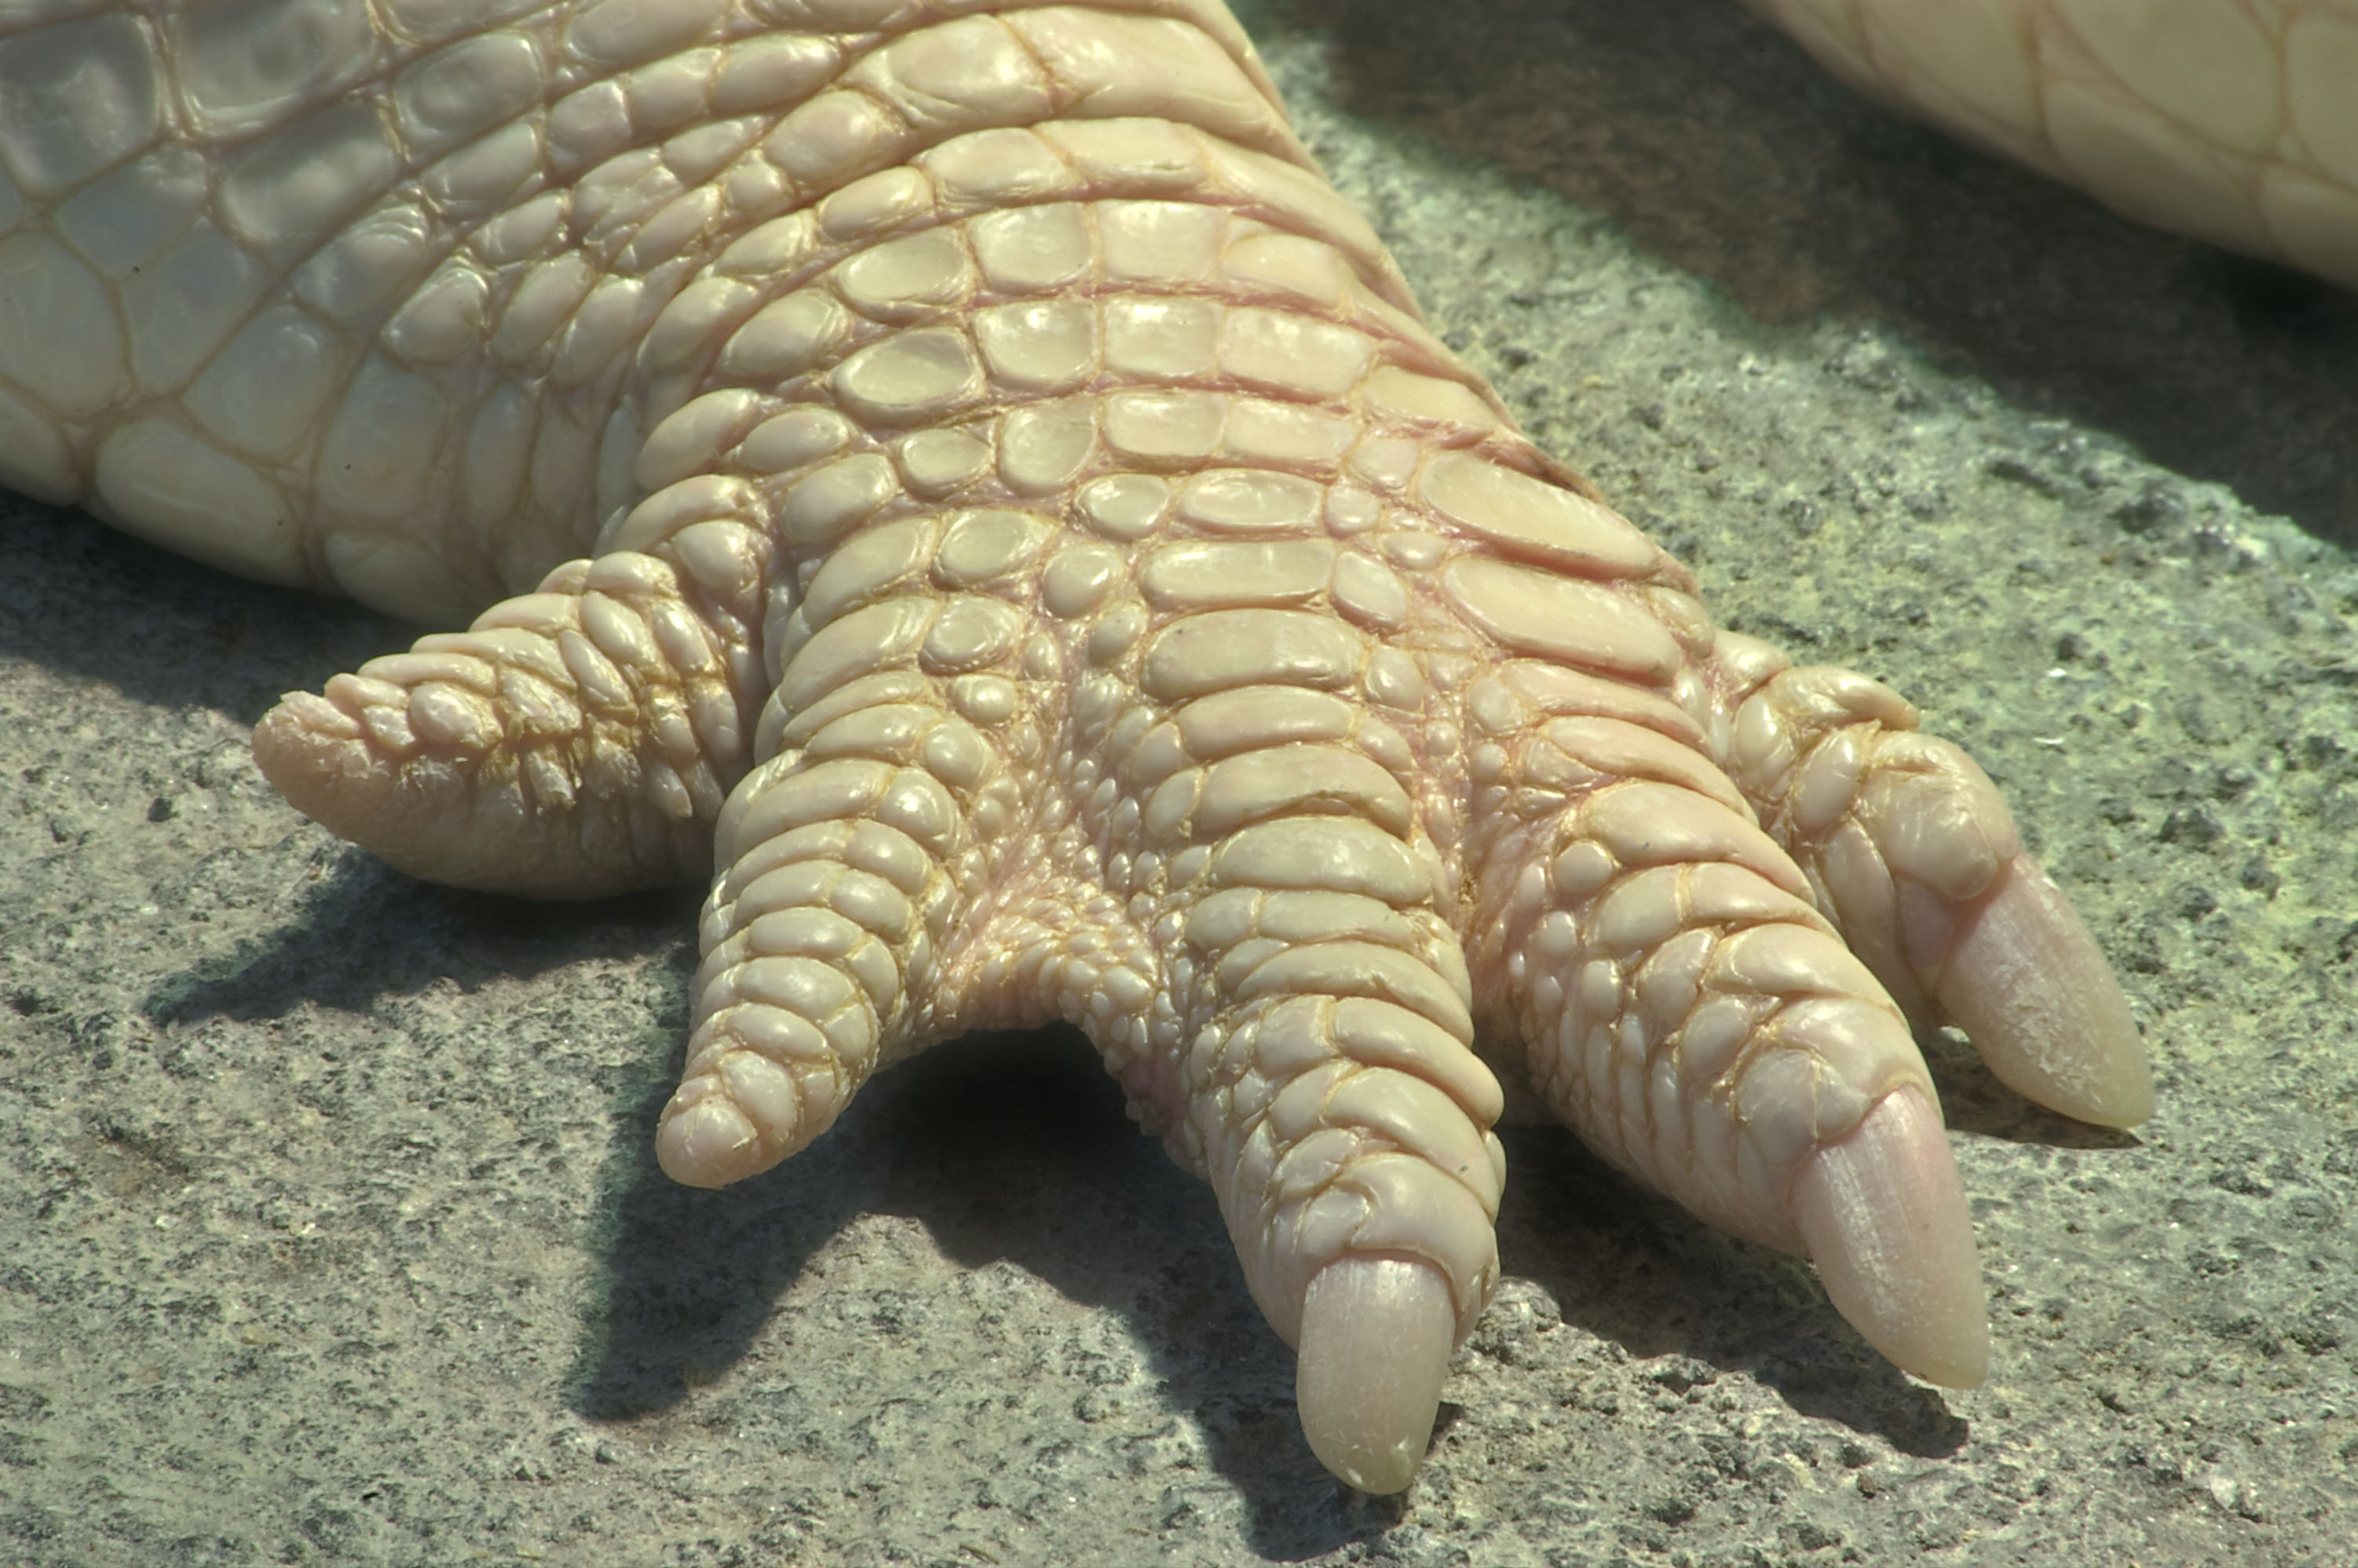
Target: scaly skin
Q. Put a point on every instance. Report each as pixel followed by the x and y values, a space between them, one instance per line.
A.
pixel 2233 119
pixel 1039 557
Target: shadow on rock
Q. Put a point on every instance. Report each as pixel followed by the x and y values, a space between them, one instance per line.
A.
pixel 358 932
pixel 1719 147
pixel 1637 1272
pixel 80 597
pixel 1010 1149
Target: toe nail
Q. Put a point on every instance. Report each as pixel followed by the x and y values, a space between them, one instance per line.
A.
pixel 2032 988
pixel 1885 1221
pixel 1375 1343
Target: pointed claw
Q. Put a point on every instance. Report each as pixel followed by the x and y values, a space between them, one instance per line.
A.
pixel 1885 1221
pixel 2026 980
pixel 1376 1338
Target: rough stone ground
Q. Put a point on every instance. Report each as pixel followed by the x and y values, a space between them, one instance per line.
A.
pixel 327 1228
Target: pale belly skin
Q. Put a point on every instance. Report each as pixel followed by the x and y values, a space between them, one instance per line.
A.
pixel 1719 669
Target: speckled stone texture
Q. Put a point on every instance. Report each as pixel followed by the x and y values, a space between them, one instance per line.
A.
pixel 328 1231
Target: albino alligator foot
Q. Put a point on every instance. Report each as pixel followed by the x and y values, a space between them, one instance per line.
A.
pixel 1033 548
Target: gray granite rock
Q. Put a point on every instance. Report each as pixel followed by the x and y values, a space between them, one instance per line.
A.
pixel 328 1231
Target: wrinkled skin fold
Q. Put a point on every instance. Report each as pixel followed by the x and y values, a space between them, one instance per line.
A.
pixel 987 503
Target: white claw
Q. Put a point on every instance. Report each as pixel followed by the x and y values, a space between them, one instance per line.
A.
pixel 1884 1218
pixel 1376 1338
pixel 2026 980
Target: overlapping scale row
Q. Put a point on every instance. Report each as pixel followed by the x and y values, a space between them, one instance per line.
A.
pixel 1104 453
pixel 1911 850
pixel 1896 830
pixel 572 742
pixel 1680 1001
pixel 355 308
